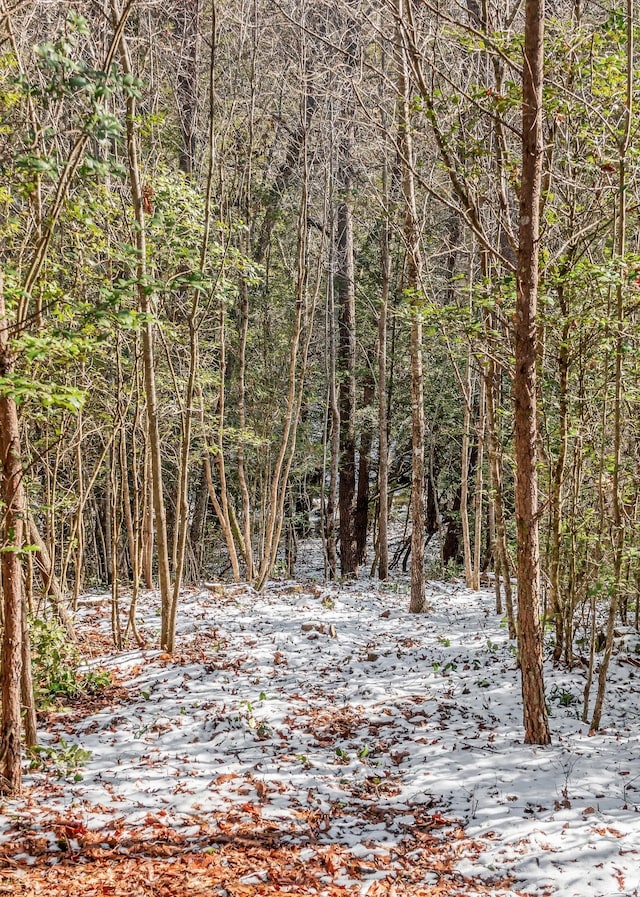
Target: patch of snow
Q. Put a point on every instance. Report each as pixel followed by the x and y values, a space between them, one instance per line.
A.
pixel 376 733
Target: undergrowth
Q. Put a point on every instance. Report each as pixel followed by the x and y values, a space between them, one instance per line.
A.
pixel 56 666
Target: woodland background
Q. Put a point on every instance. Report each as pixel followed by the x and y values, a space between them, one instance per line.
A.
pixel 261 272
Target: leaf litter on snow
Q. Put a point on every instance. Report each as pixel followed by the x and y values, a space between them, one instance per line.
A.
pixel 321 739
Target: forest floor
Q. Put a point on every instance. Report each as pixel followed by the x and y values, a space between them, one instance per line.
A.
pixel 318 739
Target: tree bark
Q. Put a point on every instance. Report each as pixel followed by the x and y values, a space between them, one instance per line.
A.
pixel 536 724
pixel 26 684
pixel 414 291
pixel 479 487
pixel 50 581
pixel 383 438
pixel 14 510
pixel 346 299
pixel 501 560
pixel 164 576
pixel 617 510
pixel 347 389
pixel 333 432
pixel 464 473
pixel 361 515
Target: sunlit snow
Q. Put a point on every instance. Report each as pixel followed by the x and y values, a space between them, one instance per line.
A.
pixel 335 699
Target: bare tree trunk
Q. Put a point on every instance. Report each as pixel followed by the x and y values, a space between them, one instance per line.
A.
pixel 107 520
pixel 414 286
pixel 346 298
pixel 133 540
pixel 148 538
pixel 347 388
pixel 79 523
pixel 198 522
pixel 182 498
pixel 503 566
pixel 557 600
pixel 50 581
pixel 26 684
pixel 113 547
pixel 616 496
pixel 333 435
pixel 247 536
pixel 479 489
pixel 361 515
pixel 301 336
pixel 383 438
pixel 464 473
pixel 164 576
pixel 13 499
pixel 182 509
pixel 536 724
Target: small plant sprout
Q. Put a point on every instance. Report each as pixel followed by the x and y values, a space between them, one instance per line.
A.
pixel 64 760
pixel 562 696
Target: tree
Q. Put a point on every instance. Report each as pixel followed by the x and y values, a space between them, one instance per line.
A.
pixel 13 519
pixel 413 292
pixel 346 301
pixel 144 300
pixel 15 512
pixel 620 246
pixel 525 387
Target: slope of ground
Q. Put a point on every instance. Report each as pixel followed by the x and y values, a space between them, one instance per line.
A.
pixel 320 740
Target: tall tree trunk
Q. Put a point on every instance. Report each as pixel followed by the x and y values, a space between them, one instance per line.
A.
pixel 346 298
pixel 148 535
pixel 383 438
pixel 616 496
pixel 198 522
pixel 361 515
pixel 479 488
pixel 557 600
pixel 301 335
pixel 536 724
pixel 502 564
pixel 243 334
pixel 333 432
pixel 347 388
pixel 26 684
pixel 13 516
pixel 464 472
pixel 137 190
pixel 414 292
pixel 194 319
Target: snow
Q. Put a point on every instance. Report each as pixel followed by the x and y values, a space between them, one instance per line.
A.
pixel 333 703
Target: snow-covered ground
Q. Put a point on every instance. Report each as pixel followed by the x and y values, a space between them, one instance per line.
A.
pixel 331 703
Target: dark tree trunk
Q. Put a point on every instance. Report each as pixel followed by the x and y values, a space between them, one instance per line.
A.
pixel 347 392
pixel 361 519
pixel 346 300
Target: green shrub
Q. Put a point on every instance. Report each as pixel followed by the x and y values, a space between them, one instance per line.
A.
pixel 56 666
pixel 65 760
pixel 55 662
